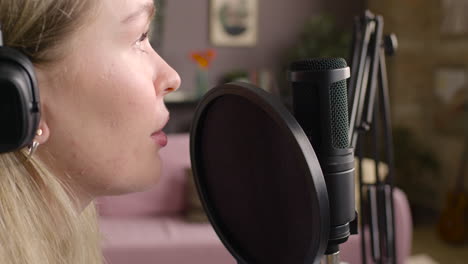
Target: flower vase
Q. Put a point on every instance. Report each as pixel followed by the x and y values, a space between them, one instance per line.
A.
pixel 201 82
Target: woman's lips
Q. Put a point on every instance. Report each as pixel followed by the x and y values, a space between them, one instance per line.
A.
pixel 160 138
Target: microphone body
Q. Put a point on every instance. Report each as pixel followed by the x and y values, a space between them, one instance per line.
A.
pixel 320 106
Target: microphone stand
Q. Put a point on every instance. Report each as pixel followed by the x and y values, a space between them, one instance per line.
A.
pixel 368 100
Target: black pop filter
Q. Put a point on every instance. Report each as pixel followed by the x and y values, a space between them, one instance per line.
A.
pixel 258 177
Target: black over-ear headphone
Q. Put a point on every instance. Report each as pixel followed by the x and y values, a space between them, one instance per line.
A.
pixel 19 100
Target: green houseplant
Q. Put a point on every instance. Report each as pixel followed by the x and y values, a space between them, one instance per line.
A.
pixel 320 37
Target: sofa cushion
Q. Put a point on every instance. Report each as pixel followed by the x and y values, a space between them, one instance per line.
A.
pixel 166 197
pixel 155 232
pixel 168 240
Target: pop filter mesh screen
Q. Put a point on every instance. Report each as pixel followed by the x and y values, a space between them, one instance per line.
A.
pixel 257 184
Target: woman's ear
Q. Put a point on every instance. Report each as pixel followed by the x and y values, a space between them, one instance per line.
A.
pixel 44 81
pixel 42 132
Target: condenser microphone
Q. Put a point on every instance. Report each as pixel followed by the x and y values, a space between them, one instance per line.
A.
pixel 258 175
pixel 320 106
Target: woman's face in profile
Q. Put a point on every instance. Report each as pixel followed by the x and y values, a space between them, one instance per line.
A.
pixel 103 103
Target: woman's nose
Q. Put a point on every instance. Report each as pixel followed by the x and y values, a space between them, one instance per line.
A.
pixel 169 80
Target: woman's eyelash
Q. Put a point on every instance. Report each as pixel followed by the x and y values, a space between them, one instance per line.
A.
pixel 143 36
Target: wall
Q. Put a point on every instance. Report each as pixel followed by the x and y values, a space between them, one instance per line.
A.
pixel 186 29
pixel 422 50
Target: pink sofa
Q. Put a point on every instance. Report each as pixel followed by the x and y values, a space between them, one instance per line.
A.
pixel 149 227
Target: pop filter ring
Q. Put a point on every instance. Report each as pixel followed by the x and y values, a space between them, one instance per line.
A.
pixel 283 118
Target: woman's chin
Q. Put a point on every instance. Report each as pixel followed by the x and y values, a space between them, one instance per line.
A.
pixel 136 183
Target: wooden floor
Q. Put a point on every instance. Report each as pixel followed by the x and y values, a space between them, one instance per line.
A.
pixel 429 249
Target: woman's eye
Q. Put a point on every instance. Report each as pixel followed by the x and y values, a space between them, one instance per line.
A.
pixel 142 38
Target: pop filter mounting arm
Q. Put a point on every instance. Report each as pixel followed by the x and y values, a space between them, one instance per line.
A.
pixel 369 110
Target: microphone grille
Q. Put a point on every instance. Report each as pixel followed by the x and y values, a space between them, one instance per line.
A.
pixel 318 64
pixel 339 115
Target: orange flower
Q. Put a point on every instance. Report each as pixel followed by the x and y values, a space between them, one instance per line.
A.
pixel 203 58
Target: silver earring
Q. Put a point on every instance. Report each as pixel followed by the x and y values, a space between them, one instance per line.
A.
pixel 33 147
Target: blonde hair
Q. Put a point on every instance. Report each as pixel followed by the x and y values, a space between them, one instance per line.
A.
pixel 38 27
pixel 39 222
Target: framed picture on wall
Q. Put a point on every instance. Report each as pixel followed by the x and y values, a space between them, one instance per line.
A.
pixel 234 23
pixel 454 20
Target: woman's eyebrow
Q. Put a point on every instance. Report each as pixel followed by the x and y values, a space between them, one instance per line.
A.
pixel 146 8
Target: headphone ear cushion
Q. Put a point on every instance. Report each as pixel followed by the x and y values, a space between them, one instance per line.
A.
pixel 19 100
